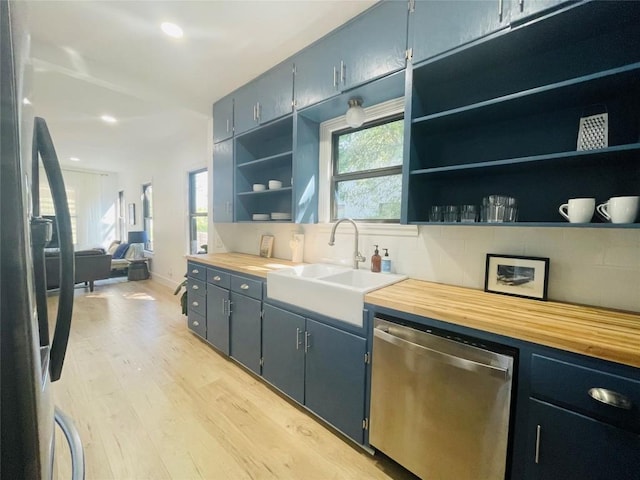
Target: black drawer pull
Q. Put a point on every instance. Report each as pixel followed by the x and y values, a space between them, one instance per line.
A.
pixel 609 397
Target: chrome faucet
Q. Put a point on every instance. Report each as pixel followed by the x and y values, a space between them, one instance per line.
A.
pixel 357 257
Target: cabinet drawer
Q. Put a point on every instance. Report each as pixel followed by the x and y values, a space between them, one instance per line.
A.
pixel 195 270
pixel 196 287
pixel 219 278
pixel 246 286
pixel 569 385
pixel 197 304
pixel 197 324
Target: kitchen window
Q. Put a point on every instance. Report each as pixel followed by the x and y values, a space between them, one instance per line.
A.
pixel 147 214
pixel 198 211
pixel 366 182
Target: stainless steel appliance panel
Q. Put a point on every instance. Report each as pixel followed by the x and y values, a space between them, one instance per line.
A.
pixel 439 407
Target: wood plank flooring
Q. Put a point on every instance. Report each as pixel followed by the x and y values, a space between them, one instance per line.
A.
pixel 152 401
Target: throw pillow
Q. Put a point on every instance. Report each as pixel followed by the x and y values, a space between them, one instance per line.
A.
pixel 120 251
pixel 112 248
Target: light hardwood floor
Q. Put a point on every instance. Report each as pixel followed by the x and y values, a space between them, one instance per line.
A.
pixel 152 401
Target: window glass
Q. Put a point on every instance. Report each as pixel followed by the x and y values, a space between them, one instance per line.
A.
pixel 367 171
pixel 147 213
pixel 198 210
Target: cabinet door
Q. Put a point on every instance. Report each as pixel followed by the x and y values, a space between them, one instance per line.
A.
pixel 442 25
pixel 276 93
pixel 218 318
pixel 335 377
pixel 373 45
pixel 196 323
pixel 223 119
pixel 223 181
pixel 317 76
pixel 574 447
pixel 283 351
pixel 245 102
pixel 525 8
pixel 246 331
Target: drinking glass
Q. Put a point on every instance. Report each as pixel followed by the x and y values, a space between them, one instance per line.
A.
pixel 435 213
pixel 468 213
pixel 450 214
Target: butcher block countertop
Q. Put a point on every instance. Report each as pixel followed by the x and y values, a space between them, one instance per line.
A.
pixel 242 262
pixel 606 334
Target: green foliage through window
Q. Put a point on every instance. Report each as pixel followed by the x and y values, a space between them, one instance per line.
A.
pixel 367 171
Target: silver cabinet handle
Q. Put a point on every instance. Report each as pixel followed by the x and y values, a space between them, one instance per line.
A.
pixel 217 278
pixel 335 77
pixel 229 312
pixel 196 323
pixel 244 286
pixel 258 111
pixel 195 287
pixel 538 431
pixel 298 339
pixel 254 113
pixel 227 125
pixel 224 307
pixel 195 304
pixel 307 343
pixel 342 71
pixel 521 3
pixel 611 398
pixel 195 271
pixel 500 9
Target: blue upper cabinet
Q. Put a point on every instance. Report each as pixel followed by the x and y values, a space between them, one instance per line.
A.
pixel 266 98
pixel 439 26
pixel 371 46
pixel 223 119
pixel 223 181
pixel 521 9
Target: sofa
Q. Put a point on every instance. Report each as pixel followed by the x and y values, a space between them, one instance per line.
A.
pixel 91 265
pixel 123 253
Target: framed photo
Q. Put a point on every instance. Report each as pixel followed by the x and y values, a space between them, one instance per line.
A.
pixel 266 246
pixel 132 214
pixel 518 276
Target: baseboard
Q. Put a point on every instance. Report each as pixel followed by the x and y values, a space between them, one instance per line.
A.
pixel 166 281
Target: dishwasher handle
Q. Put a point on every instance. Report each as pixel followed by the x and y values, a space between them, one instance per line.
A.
pixel 459 362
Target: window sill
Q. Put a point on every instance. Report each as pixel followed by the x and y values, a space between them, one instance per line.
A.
pixel 377 229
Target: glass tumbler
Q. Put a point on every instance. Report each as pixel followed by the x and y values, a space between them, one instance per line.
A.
pixel 450 214
pixel 468 213
pixel 435 213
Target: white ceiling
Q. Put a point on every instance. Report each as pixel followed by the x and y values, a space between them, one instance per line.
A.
pixel 110 57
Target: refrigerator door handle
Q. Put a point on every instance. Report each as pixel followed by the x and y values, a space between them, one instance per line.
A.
pixel 75 444
pixel 42 139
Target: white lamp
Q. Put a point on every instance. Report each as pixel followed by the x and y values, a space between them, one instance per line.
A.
pixel 355 115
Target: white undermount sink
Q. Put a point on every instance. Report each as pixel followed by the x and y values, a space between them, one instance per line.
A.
pixel 331 290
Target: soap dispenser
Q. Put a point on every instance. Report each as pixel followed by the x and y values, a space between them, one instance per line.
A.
pixel 375 260
pixel 386 261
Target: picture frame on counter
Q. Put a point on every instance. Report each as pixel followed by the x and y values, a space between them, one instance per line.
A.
pixel 266 246
pixel 518 276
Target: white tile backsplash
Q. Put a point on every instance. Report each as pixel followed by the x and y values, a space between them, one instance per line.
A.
pixel 588 266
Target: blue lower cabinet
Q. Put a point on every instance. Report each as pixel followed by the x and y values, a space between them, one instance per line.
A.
pixel 197 323
pixel 283 351
pixel 564 445
pixel 218 318
pixel 245 333
pixel 335 377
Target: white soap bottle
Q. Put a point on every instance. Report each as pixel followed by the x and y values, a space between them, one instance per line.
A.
pixel 386 262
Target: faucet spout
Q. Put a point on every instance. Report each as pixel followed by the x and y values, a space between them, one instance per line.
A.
pixel 357 257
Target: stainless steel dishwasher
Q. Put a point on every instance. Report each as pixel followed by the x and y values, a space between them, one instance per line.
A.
pixel 439 405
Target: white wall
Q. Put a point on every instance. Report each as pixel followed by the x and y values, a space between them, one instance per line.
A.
pixel 588 266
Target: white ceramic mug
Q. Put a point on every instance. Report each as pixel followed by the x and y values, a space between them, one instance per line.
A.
pixel 578 210
pixel 619 209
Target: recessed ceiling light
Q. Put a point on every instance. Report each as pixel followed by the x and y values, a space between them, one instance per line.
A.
pixel 108 119
pixel 74 159
pixel 26 101
pixel 171 29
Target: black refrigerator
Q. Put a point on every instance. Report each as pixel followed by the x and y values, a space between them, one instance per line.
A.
pixel 31 356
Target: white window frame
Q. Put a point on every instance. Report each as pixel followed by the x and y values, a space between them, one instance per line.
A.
pixel 375 112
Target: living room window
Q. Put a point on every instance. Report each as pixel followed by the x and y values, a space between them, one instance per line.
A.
pixel 147 214
pixel 46 207
pixel 198 211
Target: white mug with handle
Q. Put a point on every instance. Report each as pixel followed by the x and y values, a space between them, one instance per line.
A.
pixel 578 210
pixel 619 209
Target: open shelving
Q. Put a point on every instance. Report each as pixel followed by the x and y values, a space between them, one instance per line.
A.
pixel 262 155
pixel 503 118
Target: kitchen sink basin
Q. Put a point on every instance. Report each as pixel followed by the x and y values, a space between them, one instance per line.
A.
pixel 331 290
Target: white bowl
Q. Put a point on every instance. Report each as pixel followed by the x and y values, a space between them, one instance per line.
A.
pixel 275 184
pixel 259 187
